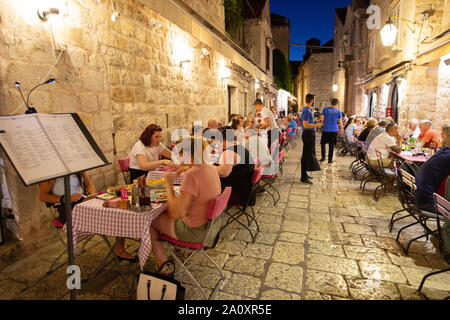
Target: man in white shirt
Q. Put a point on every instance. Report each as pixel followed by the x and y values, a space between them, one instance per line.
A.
pixel 385 143
pixel 265 122
pixel 414 129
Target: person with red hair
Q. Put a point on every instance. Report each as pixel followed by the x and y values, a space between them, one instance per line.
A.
pixel 146 153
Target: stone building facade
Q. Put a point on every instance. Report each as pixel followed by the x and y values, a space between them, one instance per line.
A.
pixel 410 79
pixel 350 55
pixel 156 63
pixel 281 31
pixel 315 74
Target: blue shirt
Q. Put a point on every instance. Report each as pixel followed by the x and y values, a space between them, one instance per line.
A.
pixel 307 116
pixel 431 175
pixel 331 117
pixel 292 125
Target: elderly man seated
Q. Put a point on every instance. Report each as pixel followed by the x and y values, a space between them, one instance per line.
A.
pixel 385 143
pixel 428 135
pixel 414 130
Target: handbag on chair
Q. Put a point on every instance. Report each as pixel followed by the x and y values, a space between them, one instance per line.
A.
pixel 154 286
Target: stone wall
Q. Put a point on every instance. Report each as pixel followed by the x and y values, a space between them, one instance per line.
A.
pixel 318 71
pixel 281 38
pixel 118 76
pixel 212 11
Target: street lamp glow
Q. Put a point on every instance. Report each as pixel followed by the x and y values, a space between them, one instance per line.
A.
pixel 389 34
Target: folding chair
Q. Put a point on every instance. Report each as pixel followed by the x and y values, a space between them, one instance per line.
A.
pixel 215 209
pixel 54 266
pixel 442 209
pixel 268 180
pixel 124 164
pixel 236 202
pixel 420 216
pixel 385 175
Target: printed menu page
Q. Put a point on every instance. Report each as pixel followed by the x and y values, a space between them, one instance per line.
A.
pixel 74 149
pixel 43 147
pixel 29 149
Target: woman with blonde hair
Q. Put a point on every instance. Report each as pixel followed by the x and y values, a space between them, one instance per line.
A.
pixel 371 123
pixel 186 216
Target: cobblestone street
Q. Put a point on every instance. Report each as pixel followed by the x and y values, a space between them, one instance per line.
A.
pixel 325 241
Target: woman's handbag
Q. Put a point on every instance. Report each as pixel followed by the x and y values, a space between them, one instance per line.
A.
pixel 154 286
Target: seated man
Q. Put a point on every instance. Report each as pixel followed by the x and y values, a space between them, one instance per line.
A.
pixel 375 132
pixel 428 135
pixel 432 174
pixel 385 143
pixel 414 130
pixel 52 192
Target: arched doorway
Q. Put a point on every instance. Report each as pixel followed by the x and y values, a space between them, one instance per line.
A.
pixel 394 103
pixel 371 103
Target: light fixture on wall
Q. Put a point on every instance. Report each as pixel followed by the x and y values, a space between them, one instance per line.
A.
pixel 335 87
pixel 390 31
pixel 114 16
pixel 205 53
pixel 44 13
pixel 184 61
pixel 154 25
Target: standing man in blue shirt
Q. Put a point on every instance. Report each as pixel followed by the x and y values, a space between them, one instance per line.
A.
pixel 309 159
pixel 330 117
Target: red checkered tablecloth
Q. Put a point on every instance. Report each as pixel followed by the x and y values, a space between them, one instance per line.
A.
pixel 160 174
pixel 91 217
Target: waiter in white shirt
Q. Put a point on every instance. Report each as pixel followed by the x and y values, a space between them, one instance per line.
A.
pixel 265 122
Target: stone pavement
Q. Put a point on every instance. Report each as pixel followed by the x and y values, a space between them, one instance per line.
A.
pixel 325 241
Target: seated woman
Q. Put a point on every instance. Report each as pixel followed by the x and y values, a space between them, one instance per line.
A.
pixel 146 152
pixel 290 123
pixel 186 216
pixel 371 123
pixel 236 166
pixel 52 192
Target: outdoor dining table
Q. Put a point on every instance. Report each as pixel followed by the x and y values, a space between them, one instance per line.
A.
pixel 408 156
pixel 91 218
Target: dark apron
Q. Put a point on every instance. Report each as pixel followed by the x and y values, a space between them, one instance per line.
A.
pixel 309 159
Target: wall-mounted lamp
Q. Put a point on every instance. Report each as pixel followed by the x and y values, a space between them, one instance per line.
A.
pixel 335 87
pixel 154 25
pixel 114 16
pixel 205 53
pixel 44 13
pixel 389 33
pixel 183 62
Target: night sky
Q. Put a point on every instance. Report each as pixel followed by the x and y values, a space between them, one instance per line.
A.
pixel 309 18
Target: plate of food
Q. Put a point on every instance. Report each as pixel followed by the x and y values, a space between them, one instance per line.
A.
pixel 158 195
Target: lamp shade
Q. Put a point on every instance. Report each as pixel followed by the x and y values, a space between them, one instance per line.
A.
pixel 389 34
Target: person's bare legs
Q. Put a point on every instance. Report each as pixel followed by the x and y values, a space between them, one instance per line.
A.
pixel 120 250
pixel 163 224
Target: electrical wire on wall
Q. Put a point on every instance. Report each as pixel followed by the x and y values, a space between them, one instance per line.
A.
pixel 21 104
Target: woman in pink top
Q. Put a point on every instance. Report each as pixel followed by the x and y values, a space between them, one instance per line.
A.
pixel 186 216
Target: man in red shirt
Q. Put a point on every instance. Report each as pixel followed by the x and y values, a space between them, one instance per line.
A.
pixel 427 134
